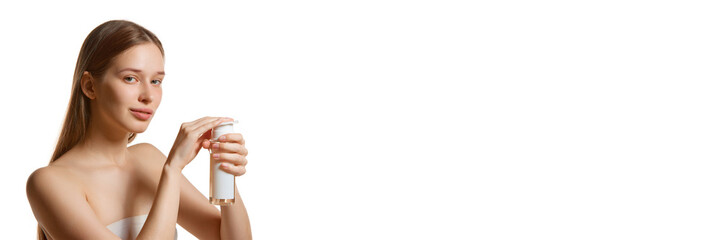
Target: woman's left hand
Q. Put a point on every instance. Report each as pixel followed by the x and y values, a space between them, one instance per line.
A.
pixel 230 151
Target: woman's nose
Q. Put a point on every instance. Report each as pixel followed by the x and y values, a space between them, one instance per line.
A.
pixel 146 94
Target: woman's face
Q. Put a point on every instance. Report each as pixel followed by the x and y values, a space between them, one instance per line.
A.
pixel 130 90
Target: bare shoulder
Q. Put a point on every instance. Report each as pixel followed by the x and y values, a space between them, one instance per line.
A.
pixel 147 151
pixel 146 148
pixel 51 177
pixel 149 159
pixel 46 182
pixel 59 204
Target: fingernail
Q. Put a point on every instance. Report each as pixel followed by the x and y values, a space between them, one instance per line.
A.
pixel 216 155
pixel 225 165
pixel 222 138
pixel 216 146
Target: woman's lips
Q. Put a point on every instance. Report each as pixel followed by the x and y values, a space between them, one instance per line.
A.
pixel 141 113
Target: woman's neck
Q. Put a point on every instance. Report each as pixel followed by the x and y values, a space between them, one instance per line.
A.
pixel 104 145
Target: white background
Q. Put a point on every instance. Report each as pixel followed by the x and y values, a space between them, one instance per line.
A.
pixel 412 119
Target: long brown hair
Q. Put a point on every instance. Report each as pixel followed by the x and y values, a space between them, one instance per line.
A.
pixel 99 49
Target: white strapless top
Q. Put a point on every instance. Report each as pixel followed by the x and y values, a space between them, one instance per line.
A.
pixel 128 228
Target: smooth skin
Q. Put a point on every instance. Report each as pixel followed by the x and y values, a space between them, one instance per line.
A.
pixel 102 180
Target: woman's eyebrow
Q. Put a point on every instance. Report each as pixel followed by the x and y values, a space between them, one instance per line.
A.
pixel 138 71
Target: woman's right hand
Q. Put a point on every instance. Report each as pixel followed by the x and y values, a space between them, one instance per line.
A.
pixel 190 139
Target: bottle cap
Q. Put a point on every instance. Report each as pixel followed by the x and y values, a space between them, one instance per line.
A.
pixel 221 129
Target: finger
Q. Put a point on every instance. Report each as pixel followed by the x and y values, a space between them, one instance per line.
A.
pixel 235 170
pixel 206 143
pixel 194 124
pixel 208 125
pixel 201 128
pixel 243 151
pixel 229 148
pixel 232 158
pixel 232 137
pixel 200 123
pixel 189 128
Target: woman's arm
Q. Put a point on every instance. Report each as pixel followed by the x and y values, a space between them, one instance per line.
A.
pixel 204 221
pixel 235 223
pixel 163 215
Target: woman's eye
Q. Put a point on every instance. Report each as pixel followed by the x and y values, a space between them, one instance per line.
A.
pixel 129 79
pixel 156 82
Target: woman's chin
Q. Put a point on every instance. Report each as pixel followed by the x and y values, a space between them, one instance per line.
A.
pixel 138 129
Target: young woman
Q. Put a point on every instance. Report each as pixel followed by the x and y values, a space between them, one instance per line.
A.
pixel 96 187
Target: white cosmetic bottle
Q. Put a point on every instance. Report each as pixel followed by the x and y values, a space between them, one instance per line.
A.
pixel 222 184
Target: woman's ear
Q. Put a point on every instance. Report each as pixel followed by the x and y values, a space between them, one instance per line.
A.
pixel 87 84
